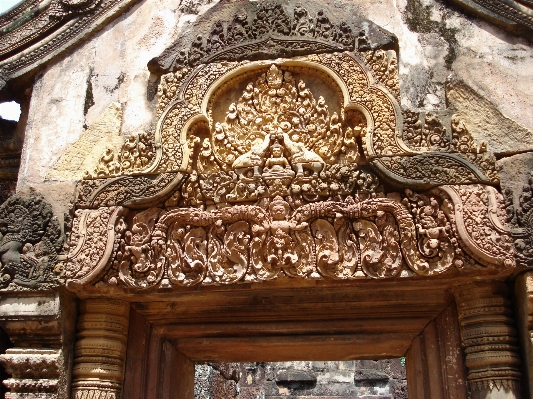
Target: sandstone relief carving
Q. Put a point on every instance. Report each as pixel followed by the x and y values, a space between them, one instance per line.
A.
pixel 266 170
pixel 353 124
pixel 521 219
pixel 271 30
pixel 452 229
pixel 31 242
pixel 285 179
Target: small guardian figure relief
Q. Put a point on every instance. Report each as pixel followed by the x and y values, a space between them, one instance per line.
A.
pixel 276 247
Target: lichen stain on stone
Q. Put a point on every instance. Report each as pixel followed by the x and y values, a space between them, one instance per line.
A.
pixel 86 151
pixel 89 98
pixel 418 19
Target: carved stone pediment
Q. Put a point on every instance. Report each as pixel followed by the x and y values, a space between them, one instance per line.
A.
pixel 288 168
pixel 270 30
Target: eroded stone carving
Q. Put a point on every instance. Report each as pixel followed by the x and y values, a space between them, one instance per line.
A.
pixel 31 241
pixel 521 219
pixel 137 153
pixel 479 209
pixel 34 372
pixel 270 31
pixel 516 16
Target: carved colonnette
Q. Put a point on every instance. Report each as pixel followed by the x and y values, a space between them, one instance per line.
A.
pixel 524 308
pixel 490 340
pixel 100 349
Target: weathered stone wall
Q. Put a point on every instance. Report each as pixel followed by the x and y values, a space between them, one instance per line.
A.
pixel 384 379
pixel 83 102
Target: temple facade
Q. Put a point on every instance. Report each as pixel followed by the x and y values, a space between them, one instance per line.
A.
pixel 238 182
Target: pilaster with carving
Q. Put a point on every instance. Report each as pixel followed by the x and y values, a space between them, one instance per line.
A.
pixel 100 349
pixel 490 340
pixel 40 325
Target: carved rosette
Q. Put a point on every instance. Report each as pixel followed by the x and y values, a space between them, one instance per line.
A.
pixel 100 349
pixel 489 339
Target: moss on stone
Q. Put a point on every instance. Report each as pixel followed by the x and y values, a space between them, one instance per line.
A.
pixel 418 19
pixel 89 98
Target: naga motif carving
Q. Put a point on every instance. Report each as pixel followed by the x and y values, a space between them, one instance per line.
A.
pixel 350 238
pixel 31 241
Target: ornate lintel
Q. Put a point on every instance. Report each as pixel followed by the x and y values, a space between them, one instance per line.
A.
pixel 455 229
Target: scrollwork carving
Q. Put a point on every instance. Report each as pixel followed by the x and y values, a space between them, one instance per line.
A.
pixel 94 237
pixel 376 237
pixel 479 215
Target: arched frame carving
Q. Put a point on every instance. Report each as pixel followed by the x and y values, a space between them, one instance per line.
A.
pixel 313 211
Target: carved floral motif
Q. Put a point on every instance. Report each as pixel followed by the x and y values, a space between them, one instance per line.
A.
pixel 376 237
pixel 93 238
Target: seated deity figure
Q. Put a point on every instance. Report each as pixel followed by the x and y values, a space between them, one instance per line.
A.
pixel 277 164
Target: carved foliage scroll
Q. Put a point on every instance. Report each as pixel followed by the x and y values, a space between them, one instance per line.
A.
pixel 424 234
